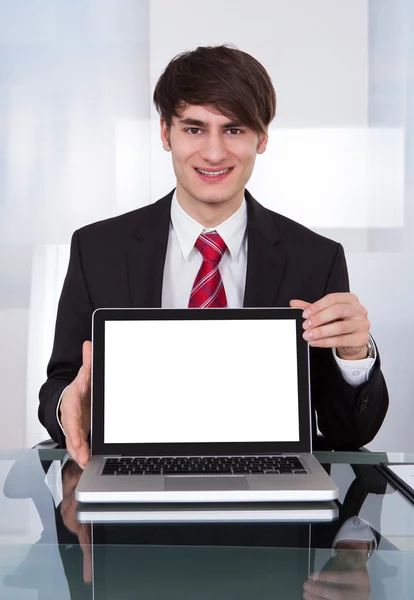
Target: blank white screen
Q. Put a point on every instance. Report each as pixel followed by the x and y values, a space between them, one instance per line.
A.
pixel 200 381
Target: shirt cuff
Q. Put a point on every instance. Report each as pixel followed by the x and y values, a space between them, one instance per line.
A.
pixel 356 372
pixel 53 478
pixel 355 529
pixel 58 409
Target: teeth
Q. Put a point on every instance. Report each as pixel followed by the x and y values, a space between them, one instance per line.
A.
pixel 213 174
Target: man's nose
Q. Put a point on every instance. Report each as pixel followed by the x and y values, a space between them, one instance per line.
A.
pixel 213 149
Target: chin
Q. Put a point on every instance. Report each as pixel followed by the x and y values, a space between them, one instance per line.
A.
pixel 216 196
pixel 212 200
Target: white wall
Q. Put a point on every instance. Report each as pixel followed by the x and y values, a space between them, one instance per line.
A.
pixel 74 137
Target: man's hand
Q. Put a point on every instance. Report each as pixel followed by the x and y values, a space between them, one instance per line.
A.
pixel 346 578
pixel 336 321
pixel 75 410
pixel 70 478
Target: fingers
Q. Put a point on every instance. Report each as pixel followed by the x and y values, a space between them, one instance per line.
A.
pixel 336 321
pixel 87 355
pixel 77 410
pixel 342 341
pixel 318 591
pixel 70 478
pixel 315 590
pixel 350 577
pixel 84 376
pixel 330 300
pixel 85 541
pixel 347 332
pixel 83 455
pixel 310 596
pixel 298 304
pixel 338 585
pixel 76 441
pixel 77 447
pixel 75 418
pixel 336 312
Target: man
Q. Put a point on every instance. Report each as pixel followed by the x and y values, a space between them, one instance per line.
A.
pixel 216 104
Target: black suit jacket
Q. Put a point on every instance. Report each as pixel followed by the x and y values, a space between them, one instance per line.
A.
pixel 119 262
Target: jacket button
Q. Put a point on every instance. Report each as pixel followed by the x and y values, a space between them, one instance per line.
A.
pixel 363 402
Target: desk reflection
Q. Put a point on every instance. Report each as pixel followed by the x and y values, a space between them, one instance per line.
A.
pixel 213 560
pixel 70 476
pixel 209 560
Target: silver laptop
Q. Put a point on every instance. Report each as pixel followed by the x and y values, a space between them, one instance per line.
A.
pixel 196 405
pixel 211 512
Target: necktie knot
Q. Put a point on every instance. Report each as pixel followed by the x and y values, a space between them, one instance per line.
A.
pixel 211 246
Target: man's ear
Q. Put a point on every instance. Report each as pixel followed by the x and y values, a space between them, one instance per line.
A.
pixel 262 143
pixel 165 135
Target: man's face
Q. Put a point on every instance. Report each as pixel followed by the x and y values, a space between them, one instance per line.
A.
pixel 213 156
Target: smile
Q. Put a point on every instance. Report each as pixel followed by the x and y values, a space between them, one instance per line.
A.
pixel 213 175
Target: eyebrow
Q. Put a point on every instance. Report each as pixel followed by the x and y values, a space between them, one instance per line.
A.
pixel 198 123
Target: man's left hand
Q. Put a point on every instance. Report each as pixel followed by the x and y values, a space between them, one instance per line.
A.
pixel 336 321
pixel 344 577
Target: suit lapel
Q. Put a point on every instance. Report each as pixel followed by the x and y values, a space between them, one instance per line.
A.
pixel 265 258
pixel 147 250
pixel 146 254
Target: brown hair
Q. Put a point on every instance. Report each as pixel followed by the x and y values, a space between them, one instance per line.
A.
pixel 232 81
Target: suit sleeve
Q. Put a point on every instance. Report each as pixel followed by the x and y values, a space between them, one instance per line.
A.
pixel 73 327
pixel 348 416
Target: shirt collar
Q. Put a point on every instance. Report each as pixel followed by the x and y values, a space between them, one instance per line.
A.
pixel 188 229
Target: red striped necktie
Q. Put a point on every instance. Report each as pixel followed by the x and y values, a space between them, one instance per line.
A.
pixel 208 290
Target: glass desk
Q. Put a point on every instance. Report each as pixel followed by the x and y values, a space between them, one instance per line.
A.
pixel 45 552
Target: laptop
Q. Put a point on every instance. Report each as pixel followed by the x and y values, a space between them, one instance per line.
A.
pixel 196 405
pixel 211 512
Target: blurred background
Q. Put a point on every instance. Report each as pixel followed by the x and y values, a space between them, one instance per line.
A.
pixel 79 142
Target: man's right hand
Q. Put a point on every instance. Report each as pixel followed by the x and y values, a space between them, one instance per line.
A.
pixel 75 410
pixel 71 474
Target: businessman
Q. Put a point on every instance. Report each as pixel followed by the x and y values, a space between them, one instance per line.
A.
pixel 209 243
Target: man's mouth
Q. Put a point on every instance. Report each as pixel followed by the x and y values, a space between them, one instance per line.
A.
pixel 213 175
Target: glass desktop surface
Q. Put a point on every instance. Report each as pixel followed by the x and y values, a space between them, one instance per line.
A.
pixel 46 553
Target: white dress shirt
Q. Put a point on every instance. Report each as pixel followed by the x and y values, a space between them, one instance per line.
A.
pixel 183 260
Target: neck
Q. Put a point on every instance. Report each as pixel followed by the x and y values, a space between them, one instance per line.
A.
pixel 209 214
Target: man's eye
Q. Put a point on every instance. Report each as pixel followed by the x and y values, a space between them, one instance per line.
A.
pixel 234 131
pixel 193 130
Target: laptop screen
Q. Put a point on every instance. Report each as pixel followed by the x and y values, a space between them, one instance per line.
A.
pixel 200 381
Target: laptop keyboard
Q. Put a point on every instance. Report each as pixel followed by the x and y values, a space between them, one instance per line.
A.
pixel 203 465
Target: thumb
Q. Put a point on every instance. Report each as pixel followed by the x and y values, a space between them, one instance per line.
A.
pixel 84 374
pixel 87 355
pixel 299 304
